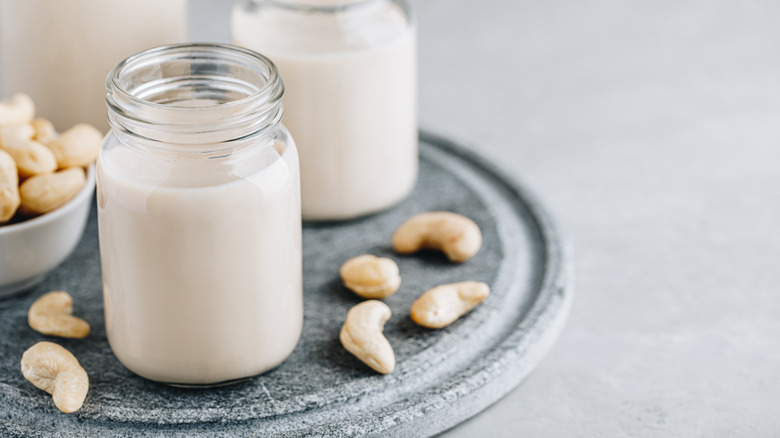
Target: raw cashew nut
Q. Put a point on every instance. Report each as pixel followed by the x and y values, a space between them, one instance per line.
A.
pixel 44 130
pixel 32 158
pixel 362 335
pixel 78 146
pixel 370 276
pixel 18 109
pixel 52 314
pixel 44 193
pixel 17 131
pixel 9 187
pixel 455 235
pixel 442 305
pixel 55 370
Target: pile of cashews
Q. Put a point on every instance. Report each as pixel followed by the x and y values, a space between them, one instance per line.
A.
pixel 40 170
pixel 458 237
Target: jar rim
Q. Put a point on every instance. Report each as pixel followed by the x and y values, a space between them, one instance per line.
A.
pixel 257 109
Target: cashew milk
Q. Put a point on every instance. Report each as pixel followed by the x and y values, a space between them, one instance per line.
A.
pixel 60 51
pixel 199 216
pixel 350 100
pixel 227 307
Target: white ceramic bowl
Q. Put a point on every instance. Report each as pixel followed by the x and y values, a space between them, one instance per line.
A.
pixel 30 249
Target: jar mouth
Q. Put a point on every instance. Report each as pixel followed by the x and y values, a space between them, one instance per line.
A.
pixel 195 94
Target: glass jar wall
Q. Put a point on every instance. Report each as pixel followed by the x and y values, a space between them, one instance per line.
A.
pixel 199 216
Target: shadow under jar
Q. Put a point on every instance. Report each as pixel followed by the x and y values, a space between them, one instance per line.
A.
pixel 199 216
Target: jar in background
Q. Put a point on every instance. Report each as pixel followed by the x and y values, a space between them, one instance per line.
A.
pixel 59 52
pixel 199 216
pixel 351 100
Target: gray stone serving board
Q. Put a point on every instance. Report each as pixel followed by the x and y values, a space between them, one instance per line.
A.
pixel 442 377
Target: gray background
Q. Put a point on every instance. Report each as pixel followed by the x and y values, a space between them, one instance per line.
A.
pixel 652 131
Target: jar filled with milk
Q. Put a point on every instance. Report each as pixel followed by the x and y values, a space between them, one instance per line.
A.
pixel 350 70
pixel 199 216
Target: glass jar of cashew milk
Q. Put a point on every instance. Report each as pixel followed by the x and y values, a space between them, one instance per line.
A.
pixel 351 100
pixel 199 216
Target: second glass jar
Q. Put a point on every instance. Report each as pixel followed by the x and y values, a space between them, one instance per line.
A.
pixel 351 100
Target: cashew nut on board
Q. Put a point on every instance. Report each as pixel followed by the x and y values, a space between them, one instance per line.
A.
pixel 443 305
pixel 44 193
pixel 454 234
pixel 9 187
pixel 370 276
pixel 362 335
pixel 55 370
pixel 52 314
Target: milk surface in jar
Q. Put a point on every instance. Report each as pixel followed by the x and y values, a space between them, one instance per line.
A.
pixel 350 71
pixel 60 51
pixel 199 216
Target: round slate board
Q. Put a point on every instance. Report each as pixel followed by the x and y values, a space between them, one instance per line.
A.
pixel 442 377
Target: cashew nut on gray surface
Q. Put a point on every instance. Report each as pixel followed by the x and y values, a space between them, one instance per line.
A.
pixel 362 335
pixel 55 370
pixel 454 234
pixel 443 305
pixel 370 276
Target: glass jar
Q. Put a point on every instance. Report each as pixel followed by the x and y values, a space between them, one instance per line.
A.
pixel 351 101
pixel 59 52
pixel 199 216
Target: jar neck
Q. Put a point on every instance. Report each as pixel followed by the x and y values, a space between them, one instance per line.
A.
pixel 195 97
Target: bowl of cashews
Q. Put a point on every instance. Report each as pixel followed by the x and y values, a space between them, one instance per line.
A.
pixel 47 180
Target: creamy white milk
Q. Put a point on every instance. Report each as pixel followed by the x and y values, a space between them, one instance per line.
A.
pixel 201 263
pixel 60 51
pixel 350 101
